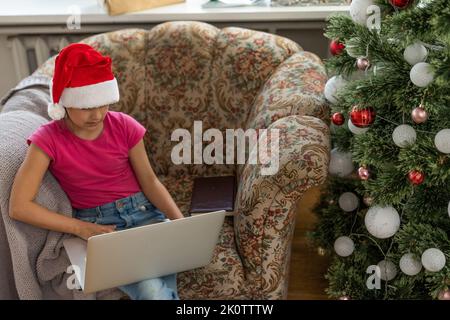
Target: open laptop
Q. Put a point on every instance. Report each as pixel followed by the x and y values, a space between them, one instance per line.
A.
pixel 127 256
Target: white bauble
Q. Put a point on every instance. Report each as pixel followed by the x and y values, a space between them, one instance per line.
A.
pixel 344 246
pixel 442 141
pixel 433 259
pixel 410 265
pixel 341 163
pixel 404 135
pixel 354 129
pixel 415 53
pixel 358 11
pixel 382 222
pixel 448 209
pixel 352 48
pixel 333 85
pixel 386 270
pixel 421 74
pixel 348 201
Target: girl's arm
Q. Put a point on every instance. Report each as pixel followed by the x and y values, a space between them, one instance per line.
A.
pixel 23 208
pixel 153 189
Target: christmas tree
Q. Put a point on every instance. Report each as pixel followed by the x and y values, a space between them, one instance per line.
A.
pixel 385 213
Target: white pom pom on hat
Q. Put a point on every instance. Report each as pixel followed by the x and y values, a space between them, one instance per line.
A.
pixel 56 111
pixel 82 79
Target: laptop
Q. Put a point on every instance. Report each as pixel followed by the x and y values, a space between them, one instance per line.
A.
pixel 127 256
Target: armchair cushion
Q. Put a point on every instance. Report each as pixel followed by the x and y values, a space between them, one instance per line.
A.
pixel 223 277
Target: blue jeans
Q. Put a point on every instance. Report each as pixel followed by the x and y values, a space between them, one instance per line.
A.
pixel 133 211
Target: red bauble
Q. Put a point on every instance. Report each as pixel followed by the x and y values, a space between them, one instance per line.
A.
pixel 416 177
pixel 400 3
pixel 336 47
pixel 338 119
pixel 362 118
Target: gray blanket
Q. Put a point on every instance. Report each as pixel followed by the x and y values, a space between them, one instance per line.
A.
pixel 33 262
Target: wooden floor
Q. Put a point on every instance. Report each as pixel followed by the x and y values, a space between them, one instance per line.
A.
pixel 306 281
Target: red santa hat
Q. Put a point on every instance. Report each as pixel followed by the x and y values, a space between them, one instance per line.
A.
pixel 82 79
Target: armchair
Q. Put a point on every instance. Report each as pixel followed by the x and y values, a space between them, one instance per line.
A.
pixel 185 71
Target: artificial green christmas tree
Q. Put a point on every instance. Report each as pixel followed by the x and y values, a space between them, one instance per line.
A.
pixel 385 216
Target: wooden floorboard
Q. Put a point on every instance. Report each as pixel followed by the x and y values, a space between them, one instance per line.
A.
pixel 307 268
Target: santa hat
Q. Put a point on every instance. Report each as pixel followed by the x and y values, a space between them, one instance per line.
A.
pixel 82 79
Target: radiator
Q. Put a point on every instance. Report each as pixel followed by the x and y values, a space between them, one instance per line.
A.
pixel 31 51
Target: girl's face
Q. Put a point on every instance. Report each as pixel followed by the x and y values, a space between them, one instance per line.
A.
pixel 88 119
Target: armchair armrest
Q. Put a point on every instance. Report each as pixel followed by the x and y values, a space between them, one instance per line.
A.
pixel 295 88
pixel 266 204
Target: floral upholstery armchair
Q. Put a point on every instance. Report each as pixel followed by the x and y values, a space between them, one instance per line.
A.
pixel 180 72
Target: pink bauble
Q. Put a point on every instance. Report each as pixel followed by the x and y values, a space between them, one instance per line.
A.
pixel 444 295
pixel 363 173
pixel 419 115
pixel 362 63
pixel 368 200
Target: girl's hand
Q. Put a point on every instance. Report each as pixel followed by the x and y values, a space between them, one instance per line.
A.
pixel 89 229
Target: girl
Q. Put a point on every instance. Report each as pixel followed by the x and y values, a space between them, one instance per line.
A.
pixel 99 159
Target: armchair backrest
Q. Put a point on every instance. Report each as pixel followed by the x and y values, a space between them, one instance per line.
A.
pixel 185 71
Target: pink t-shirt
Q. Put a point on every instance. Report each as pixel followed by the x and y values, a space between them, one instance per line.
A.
pixel 92 172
